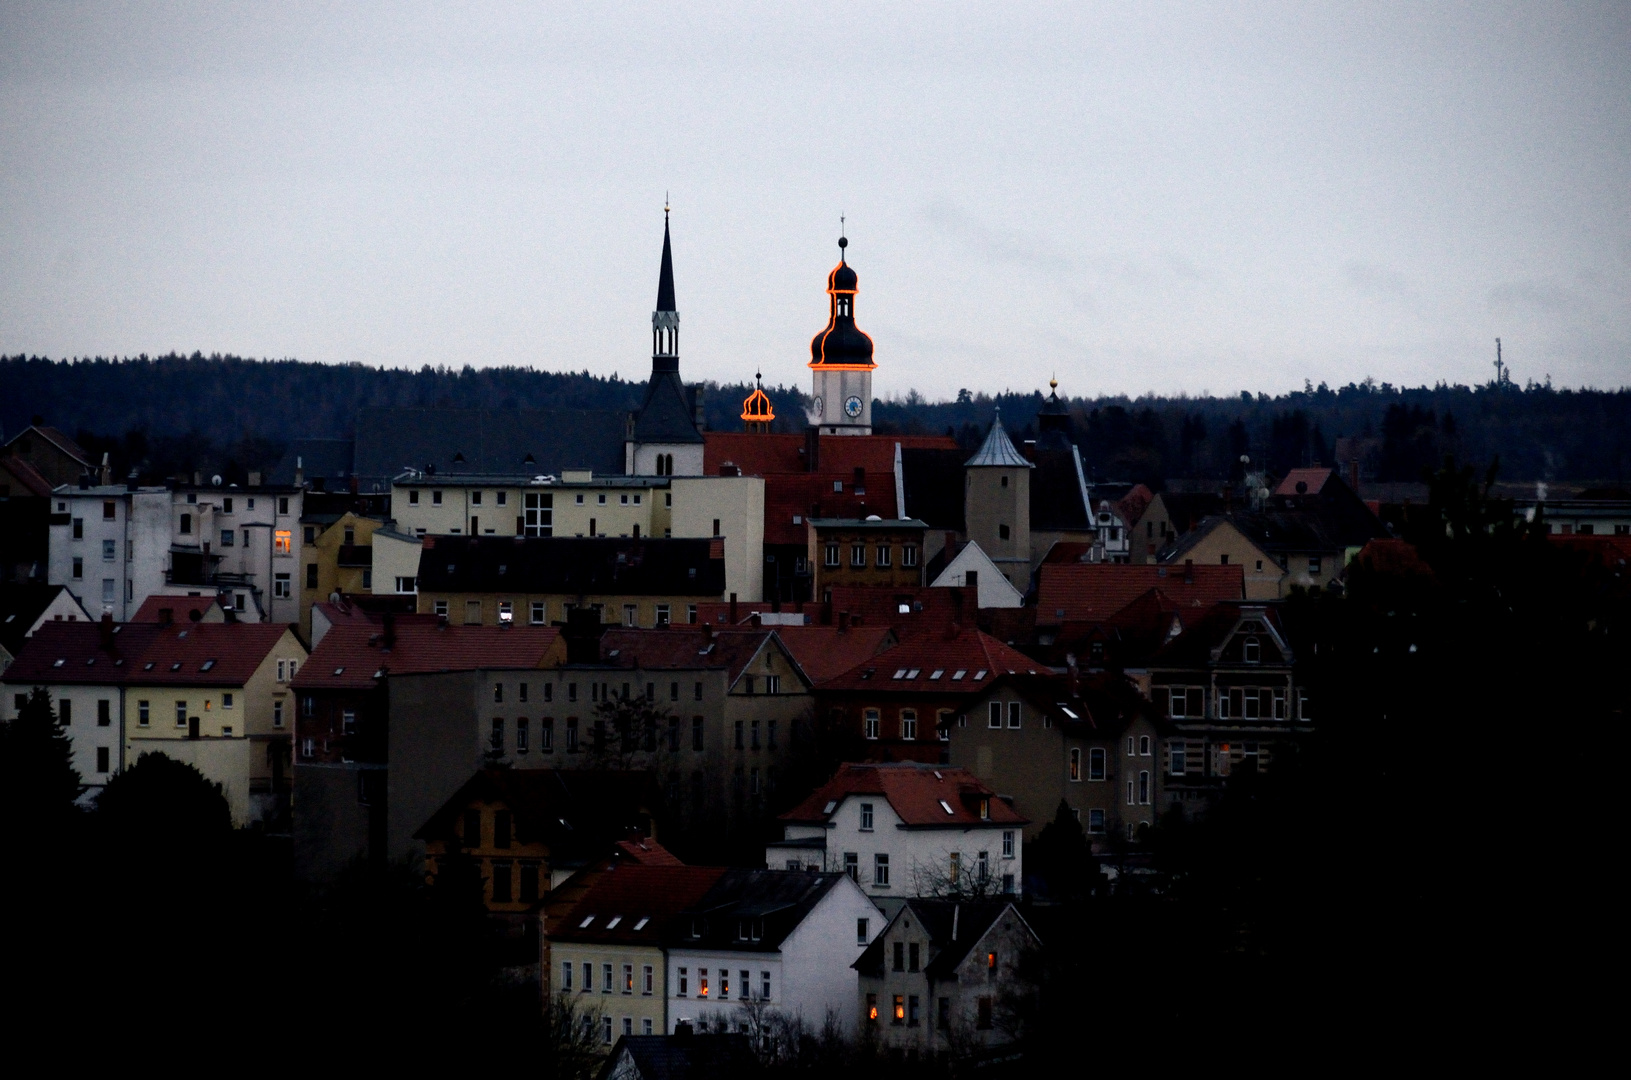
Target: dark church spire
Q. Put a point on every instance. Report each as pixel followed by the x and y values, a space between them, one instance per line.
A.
pixel 665 321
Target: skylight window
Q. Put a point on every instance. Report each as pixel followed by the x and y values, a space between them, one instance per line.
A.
pixel 148 666
pixel 958 674
pixel 900 673
pixel 914 673
pixel 59 663
pixel 181 635
pixel 339 671
pixel 936 673
pixel 1067 712
pixel 612 923
pixel 90 661
pixel 978 675
pixel 946 806
pixel 206 665
pixel 176 666
pixel 613 653
pixel 832 804
pixel 641 925
pixel 587 919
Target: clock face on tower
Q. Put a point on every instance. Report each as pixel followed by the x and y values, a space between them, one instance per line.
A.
pixel 816 405
pixel 853 406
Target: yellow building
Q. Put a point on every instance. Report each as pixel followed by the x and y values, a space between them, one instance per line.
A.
pixel 607 955
pixel 338 557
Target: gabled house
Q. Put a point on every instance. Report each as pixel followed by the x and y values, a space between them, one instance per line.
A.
pixel 1072 591
pixel 903 702
pixel 1228 689
pixel 971 568
pixel 906 829
pixel 682 1054
pixel 1037 739
pixel 780 939
pixel 51 454
pixel 607 952
pixel 212 695
pixel 25 607
pixel 935 979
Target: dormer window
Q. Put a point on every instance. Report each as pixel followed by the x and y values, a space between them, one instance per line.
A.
pixel 1252 651
pixel 985 809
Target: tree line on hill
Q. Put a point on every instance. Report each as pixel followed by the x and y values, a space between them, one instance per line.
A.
pixel 175 414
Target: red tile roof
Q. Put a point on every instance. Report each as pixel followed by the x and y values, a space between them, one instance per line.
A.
pixel 640 896
pixel 963 662
pixel 180 608
pixel 929 610
pixel 1132 505
pixel 145 654
pixel 791 491
pixel 353 652
pixel 1314 478
pixel 1396 558
pixel 681 647
pixel 826 651
pixel 922 795
pixel 647 852
pixel 1091 592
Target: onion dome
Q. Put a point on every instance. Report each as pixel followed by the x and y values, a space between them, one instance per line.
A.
pixel 841 344
pixel 757 412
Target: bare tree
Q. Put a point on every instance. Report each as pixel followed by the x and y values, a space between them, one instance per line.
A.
pixel 573 1034
pixel 957 877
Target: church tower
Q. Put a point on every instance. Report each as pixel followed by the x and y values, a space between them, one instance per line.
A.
pixel 841 360
pixel 997 504
pixel 665 440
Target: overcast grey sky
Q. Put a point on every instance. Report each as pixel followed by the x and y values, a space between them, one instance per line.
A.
pixel 1138 197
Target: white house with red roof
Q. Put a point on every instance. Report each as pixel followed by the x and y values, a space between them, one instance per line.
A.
pixel 905 829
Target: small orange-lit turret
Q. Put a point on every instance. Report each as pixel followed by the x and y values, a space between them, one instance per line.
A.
pixel 756 410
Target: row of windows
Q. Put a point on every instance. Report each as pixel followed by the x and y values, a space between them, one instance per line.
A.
pixel 601 737
pixel 884 555
pixel 905 1012
pixel 539 500
pixel 872 723
pixel 721 987
pixel 598 691
pixel 1228 703
pixel 537 610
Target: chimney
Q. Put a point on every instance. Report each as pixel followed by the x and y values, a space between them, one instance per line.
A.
pixel 1353 474
pixel 255 479
pixel 84 481
pixel 707 631
pixel 198 479
pixel 1074 674
pixel 107 470
pixel 957 606
pixel 105 632
pixel 441 622
pixel 351 482
pixel 843 622
pixel 1189 571
pixel 299 472
pixel 754 619
pixel 812 448
pixel 951 544
pixel 696 404
pixel 389 637
pixel 733 609
pixel 133 481
pixel 682 1030
pixel 776 604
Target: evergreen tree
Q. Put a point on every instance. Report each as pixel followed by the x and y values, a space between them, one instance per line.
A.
pixel 37 777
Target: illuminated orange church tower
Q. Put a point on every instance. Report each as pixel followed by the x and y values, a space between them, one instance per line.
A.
pixel 841 360
pixel 757 413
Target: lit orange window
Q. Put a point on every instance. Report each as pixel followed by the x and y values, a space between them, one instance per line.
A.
pixel 900 1008
pixel 991 961
pixel 281 541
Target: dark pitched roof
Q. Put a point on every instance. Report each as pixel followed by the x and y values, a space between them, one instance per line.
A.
pixel 960 661
pixel 181 608
pixel 1099 706
pixel 145 654
pixel 778 900
pixel 926 796
pixel 1198 645
pixel 576 813
pixel 1056 492
pixel 573 565
pixel 58 439
pixel 668 412
pixel 826 651
pixel 20 605
pixel 681 1057
pixel 939 918
pixel 26 475
pixel 354 653
pixel 1089 592
pixel 632 905
pixel 1186 509
pixel 507 442
pixel 681 647
pixel 998 449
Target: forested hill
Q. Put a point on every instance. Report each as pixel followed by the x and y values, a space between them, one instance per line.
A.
pixel 175 413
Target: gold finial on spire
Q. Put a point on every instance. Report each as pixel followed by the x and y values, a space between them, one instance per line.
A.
pixel 1053 383
pixel 665 204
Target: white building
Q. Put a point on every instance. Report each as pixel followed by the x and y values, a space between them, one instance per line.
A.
pixel 906 829
pixel 971 566
pixel 788 940
pixel 109 545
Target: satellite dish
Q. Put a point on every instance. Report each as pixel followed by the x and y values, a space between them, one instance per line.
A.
pixel 216 479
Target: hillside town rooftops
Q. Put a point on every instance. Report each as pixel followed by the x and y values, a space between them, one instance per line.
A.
pixel 1089 592
pixel 960 662
pixel 633 904
pixel 573 565
pixel 356 652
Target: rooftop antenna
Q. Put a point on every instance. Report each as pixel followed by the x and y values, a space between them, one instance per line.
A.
pixel 1500 374
pixel 843 240
pixel 665 206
